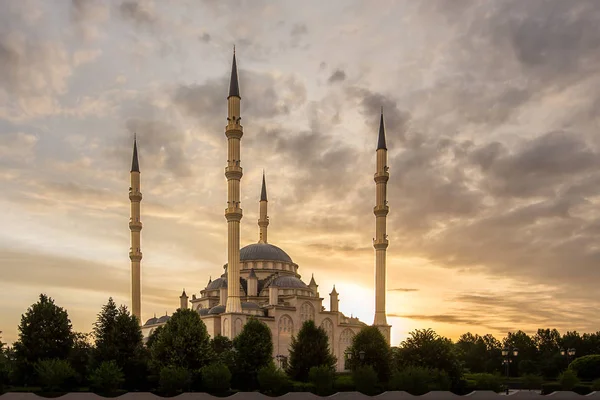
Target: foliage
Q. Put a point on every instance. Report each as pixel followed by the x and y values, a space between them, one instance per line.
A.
pixel 254 350
pixel 596 385
pixel 118 338
pixel 526 346
pixel 183 341
pixel 551 387
pixel 216 378
pixel 343 383
pixel 485 381
pixel 377 352
pixel 532 382
pixel 309 349
pixel 582 389
pixel 547 342
pixel 107 378
pixel 273 381
pixel 419 380
pixel 365 379
pixel 55 375
pixel 587 367
pixel 568 379
pixel 45 333
pixel 551 366
pixel 80 356
pixel 427 349
pixel 4 366
pixel 527 367
pixel 174 380
pixel 221 344
pixel 479 353
pixel 152 337
pixel 322 377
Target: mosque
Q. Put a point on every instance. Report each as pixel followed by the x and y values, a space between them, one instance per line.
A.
pixel 261 280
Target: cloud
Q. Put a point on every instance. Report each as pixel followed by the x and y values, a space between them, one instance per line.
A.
pixel 337 76
pixel 140 12
pixel 404 290
pixel 299 29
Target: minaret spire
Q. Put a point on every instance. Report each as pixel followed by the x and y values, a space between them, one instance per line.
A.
pixel 135 226
pixel 263 220
pixel 380 242
pixel 233 212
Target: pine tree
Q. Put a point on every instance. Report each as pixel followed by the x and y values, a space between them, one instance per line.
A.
pixel 309 349
pixel 254 350
pixel 45 333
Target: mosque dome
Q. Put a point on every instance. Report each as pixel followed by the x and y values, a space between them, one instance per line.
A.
pixel 217 283
pixel 151 321
pixel 220 309
pixel 203 311
pixel 288 282
pixel 263 251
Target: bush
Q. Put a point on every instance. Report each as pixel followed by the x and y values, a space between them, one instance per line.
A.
pixel 568 380
pixel 343 383
pixel 107 378
pixel 55 375
pixel 4 372
pixel 527 367
pixel 322 378
pixel 487 382
pixel 216 378
pixel 173 380
pixel 414 380
pixel 582 389
pixel 596 385
pixel 365 380
pixel 273 381
pixel 302 387
pixel 587 367
pixel 551 387
pixel 532 382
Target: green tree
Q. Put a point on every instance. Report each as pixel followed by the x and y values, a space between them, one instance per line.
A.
pixel 309 349
pixel 472 351
pixel 323 378
pixel 118 338
pixel 273 381
pixel 55 375
pixel 216 378
pixel 4 366
pixel 174 379
pixel 365 380
pixel 107 378
pixel 152 337
pixel 254 350
pixel 183 341
pixel 80 356
pixel 369 348
pixel 526 346
pixel 45 333
pixel 568 380
pixel 425 348
pixel 221 344
pixel 587 367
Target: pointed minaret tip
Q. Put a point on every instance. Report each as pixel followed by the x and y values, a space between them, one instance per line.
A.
pixel 312 281
pixel 263 190
pixel 381 139
pixel 135 165
pixel 333 292
pixel 234 88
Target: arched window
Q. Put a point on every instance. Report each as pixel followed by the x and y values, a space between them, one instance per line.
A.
pixel 327 326
pixel 286 325
pixel 307 311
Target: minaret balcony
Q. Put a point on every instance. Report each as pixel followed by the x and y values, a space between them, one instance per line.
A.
pixel 381 211
pixel 382 177
pixel 135 226
pixel 135 255
pixel 234 131
pixel 135 195
pixel 380 244
pixel 233 213
pixel 233 172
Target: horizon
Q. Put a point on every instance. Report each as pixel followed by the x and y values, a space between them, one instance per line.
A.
pixel 491 125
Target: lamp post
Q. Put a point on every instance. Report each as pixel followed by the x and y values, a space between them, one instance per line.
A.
pixel 361 354
pixel 348 356
pixel 507 360
pixel 568 353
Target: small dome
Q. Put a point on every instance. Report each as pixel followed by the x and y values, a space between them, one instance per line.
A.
pixel 217 284
pixel 288 282
pixel 220 309
pixel 250 306
pixel 263 251
pixel 162 319
pixel 203 311
pixel 151 321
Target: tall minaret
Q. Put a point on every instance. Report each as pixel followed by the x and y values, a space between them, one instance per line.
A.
pixel 233 173
pixel 263 219
pixel 380 242
pixel 135 226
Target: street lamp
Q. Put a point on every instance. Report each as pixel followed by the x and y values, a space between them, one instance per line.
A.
pixel 361 354
pixel 569 353
pixel 506 354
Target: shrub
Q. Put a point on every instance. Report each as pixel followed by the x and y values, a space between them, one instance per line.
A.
pixel 343 383
pixel 55 375
pixel 551 387
pixel 302 387
pixel 587 367
pixel 322 378
pixel 532 382
pixel 173 380
pixel 596 385
pixel 568 379
pixel 216 378
pixel 414 380
pixel 107 378
pixel 487 382
pixel 365 379
pixel 273 381
pixel 4 371
pixel 582 389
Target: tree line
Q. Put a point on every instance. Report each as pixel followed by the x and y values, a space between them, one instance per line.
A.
pixel 180 356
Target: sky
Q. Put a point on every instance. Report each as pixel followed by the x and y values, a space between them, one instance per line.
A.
pixel 492 119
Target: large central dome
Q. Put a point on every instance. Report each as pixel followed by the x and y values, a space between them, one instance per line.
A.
pixel 263 251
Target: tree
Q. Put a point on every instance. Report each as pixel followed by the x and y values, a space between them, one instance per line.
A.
pixel 216 378
pixel 425 348
pixel 587 367
pixel 183 341
pixel 309 349
pixel 55 375
pixel 80 356
pixel 473 352
pixel 547 341
pixel 4 366
pixel 526 346
pixel 254 350
pixel 370 348
pixel 221 344
pixel 119 338
pixel 45 333
pixel 107 378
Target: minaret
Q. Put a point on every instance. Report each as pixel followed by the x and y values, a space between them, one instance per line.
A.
pixel 135 226
pixel 263 219
pixel 381 242
pixel 183 300
pixel 233 173
pixel 334 300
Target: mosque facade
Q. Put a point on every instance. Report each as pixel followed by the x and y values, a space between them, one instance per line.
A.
pixel 261 280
